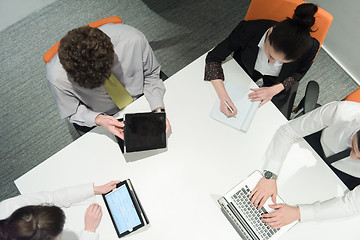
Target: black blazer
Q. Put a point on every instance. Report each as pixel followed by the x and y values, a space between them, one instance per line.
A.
pixel 243 42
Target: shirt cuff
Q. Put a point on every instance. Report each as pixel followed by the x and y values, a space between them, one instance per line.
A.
pixel 213 70
pixel 288 82
pixel 90 118
pixel 85 235
pixel 156 102
pixel 307 212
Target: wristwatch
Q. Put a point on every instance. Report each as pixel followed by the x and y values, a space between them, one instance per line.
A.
pixel 158 110
pixel 269 175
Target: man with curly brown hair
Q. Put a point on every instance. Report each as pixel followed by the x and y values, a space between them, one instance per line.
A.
pixel 86 58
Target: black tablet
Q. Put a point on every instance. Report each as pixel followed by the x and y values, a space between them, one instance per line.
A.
pixel 125 209
pixel 144 131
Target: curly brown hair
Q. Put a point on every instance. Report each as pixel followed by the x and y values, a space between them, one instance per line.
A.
pixel 87 55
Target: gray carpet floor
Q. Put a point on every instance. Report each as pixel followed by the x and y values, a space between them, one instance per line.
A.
pixel 178 31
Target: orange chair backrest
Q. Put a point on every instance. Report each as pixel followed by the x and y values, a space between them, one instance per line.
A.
pixel 278 10
pixel 54 49
pixel 354 96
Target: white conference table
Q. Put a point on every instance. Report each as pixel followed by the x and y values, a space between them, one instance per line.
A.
pixel 179 188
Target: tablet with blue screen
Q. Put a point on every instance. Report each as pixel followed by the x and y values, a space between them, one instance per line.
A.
pixel 125 209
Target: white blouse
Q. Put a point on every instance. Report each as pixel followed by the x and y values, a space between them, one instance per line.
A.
pixel 262 64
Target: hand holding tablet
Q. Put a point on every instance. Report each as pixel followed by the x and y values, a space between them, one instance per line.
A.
pixel 144 131
pixel 125 209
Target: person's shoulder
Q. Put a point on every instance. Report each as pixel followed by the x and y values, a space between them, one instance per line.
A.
pixel 259 24
pixel 313 48
pixel 344 109
pixel 121 31
pixel 253 28
pixel 356 191
pixel 349 106
pixel 8 206
pixel 110 27
pixel 262 22
pixel 56 74
pixel 315 43
pixel 54 69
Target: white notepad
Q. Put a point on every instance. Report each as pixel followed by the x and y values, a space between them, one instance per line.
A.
pixel 245 108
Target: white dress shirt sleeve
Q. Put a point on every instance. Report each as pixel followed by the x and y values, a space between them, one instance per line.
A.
pixel 338 207
pixel 62 198
pixel 294 130
pixel 85 235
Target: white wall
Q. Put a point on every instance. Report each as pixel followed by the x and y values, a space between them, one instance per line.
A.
pixel 12 11
pixel 343 39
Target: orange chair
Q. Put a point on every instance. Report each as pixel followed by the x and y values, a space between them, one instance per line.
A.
pixel 354 96
pixel 54 49
pixel 278 10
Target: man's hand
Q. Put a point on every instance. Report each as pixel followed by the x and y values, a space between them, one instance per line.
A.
pixel 111 124
pixel 224 109
pixel 283 215
pixel 168 126
pixel 105 188
pixel 265 94
pixel 262 191
pixel 92 217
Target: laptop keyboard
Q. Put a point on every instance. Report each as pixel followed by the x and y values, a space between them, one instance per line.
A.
pixel 241 198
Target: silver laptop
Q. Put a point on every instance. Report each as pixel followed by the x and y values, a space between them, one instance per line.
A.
pixel 246 218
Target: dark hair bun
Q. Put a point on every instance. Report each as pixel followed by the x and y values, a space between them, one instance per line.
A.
pixel 304 15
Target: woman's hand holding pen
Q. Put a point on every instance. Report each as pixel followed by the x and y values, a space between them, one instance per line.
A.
pixel 227 107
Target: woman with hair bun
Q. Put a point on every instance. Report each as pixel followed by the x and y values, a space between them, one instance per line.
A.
pixel 278 52
pixel 38 216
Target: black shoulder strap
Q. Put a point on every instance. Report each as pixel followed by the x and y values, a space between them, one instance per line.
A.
pixel 338 156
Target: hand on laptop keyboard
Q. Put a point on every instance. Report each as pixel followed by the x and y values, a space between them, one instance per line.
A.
pixel 262 191
pixel 283 215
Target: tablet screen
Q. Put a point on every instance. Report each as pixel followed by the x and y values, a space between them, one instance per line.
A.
pixel 122 209
pixel 145 131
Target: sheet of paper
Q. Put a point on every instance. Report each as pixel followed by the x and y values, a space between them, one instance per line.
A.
pixel 245 108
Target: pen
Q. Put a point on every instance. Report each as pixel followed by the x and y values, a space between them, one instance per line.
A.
pixel 228 106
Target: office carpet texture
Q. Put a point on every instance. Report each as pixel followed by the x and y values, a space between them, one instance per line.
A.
pixel 178 31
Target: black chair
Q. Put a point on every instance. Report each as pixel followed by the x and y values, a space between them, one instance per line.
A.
pixel 314 141
pixel 309 101
pixel 163 76
pixel 288 106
